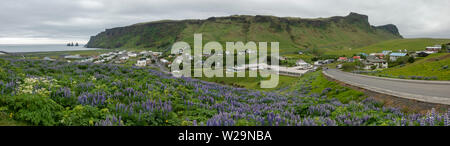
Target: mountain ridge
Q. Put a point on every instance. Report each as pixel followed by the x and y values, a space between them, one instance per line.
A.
pixel 293 33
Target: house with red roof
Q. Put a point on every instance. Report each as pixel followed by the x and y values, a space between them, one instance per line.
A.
pixel 342 59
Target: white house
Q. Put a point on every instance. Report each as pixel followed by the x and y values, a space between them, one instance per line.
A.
pixel 302 64
pixel 157 53
pixel 429 52
pixel 132 54
pixel 299 62
pixel 395 56
pixel 318 63
pixel 109 58
pixel 145 53
pixel 374 61
pixel 124 58
pixel 282 58
pixel 141 63
pixel 435 48
pixel 328 61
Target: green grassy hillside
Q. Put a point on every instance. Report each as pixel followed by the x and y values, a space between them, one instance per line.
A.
pixel 252 82
pixel 317 84
pixel 294 34
pixel 432 67
pixel 394 45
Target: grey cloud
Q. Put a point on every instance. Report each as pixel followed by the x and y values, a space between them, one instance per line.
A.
pixel 79 19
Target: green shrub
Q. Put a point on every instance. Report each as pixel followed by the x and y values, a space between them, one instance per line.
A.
pixel 373 67
pixel 35 109
pixel 411 59
pixel 82 116
pixel 348 66
pixel 3 71
pixel 7 71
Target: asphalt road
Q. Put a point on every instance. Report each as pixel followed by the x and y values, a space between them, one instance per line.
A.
pixel 436 92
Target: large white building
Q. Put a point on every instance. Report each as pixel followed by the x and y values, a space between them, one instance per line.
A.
pixel 435 48
pixel 303 65
pixel 289 71
pixel 395 56
pixel 374 61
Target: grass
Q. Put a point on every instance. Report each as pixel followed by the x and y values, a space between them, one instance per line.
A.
pixel 81 52
pixel 394 45
pixel 430 66
pixel 187 97
pixel 252 82
pixel 57 54
pixel 293 34
pixel 5 120
pixel 316 83
pixel 306 57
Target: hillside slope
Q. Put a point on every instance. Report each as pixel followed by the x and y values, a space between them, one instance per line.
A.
pixel 415 44
pixel 432 67
pixel 294 34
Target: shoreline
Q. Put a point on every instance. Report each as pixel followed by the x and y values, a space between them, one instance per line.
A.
pixel 56 51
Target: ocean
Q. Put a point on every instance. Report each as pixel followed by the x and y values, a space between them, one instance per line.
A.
pixel 41 48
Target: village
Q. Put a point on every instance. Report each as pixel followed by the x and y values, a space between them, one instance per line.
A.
pixel 372 61
pixel 380 60
pixel 143 58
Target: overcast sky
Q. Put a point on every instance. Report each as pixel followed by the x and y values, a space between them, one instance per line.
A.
pixel 60 21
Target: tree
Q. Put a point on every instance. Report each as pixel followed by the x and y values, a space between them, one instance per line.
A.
pixel 363 57
pixel 359 64
pixel 443 48
pixel 411 59
pixel 373 67
pixel 349 66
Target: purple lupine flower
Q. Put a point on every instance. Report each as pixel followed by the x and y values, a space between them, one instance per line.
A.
pixel 403 121
pixel 422 122
pixel 446 122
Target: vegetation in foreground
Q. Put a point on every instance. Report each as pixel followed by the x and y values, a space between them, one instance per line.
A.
pixel 59 93
pixel 251 82
pixel 315 84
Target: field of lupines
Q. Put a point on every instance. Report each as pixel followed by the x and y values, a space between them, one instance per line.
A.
pixel 84 94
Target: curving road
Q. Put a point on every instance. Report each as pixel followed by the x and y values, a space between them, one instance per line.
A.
pixel 426 91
